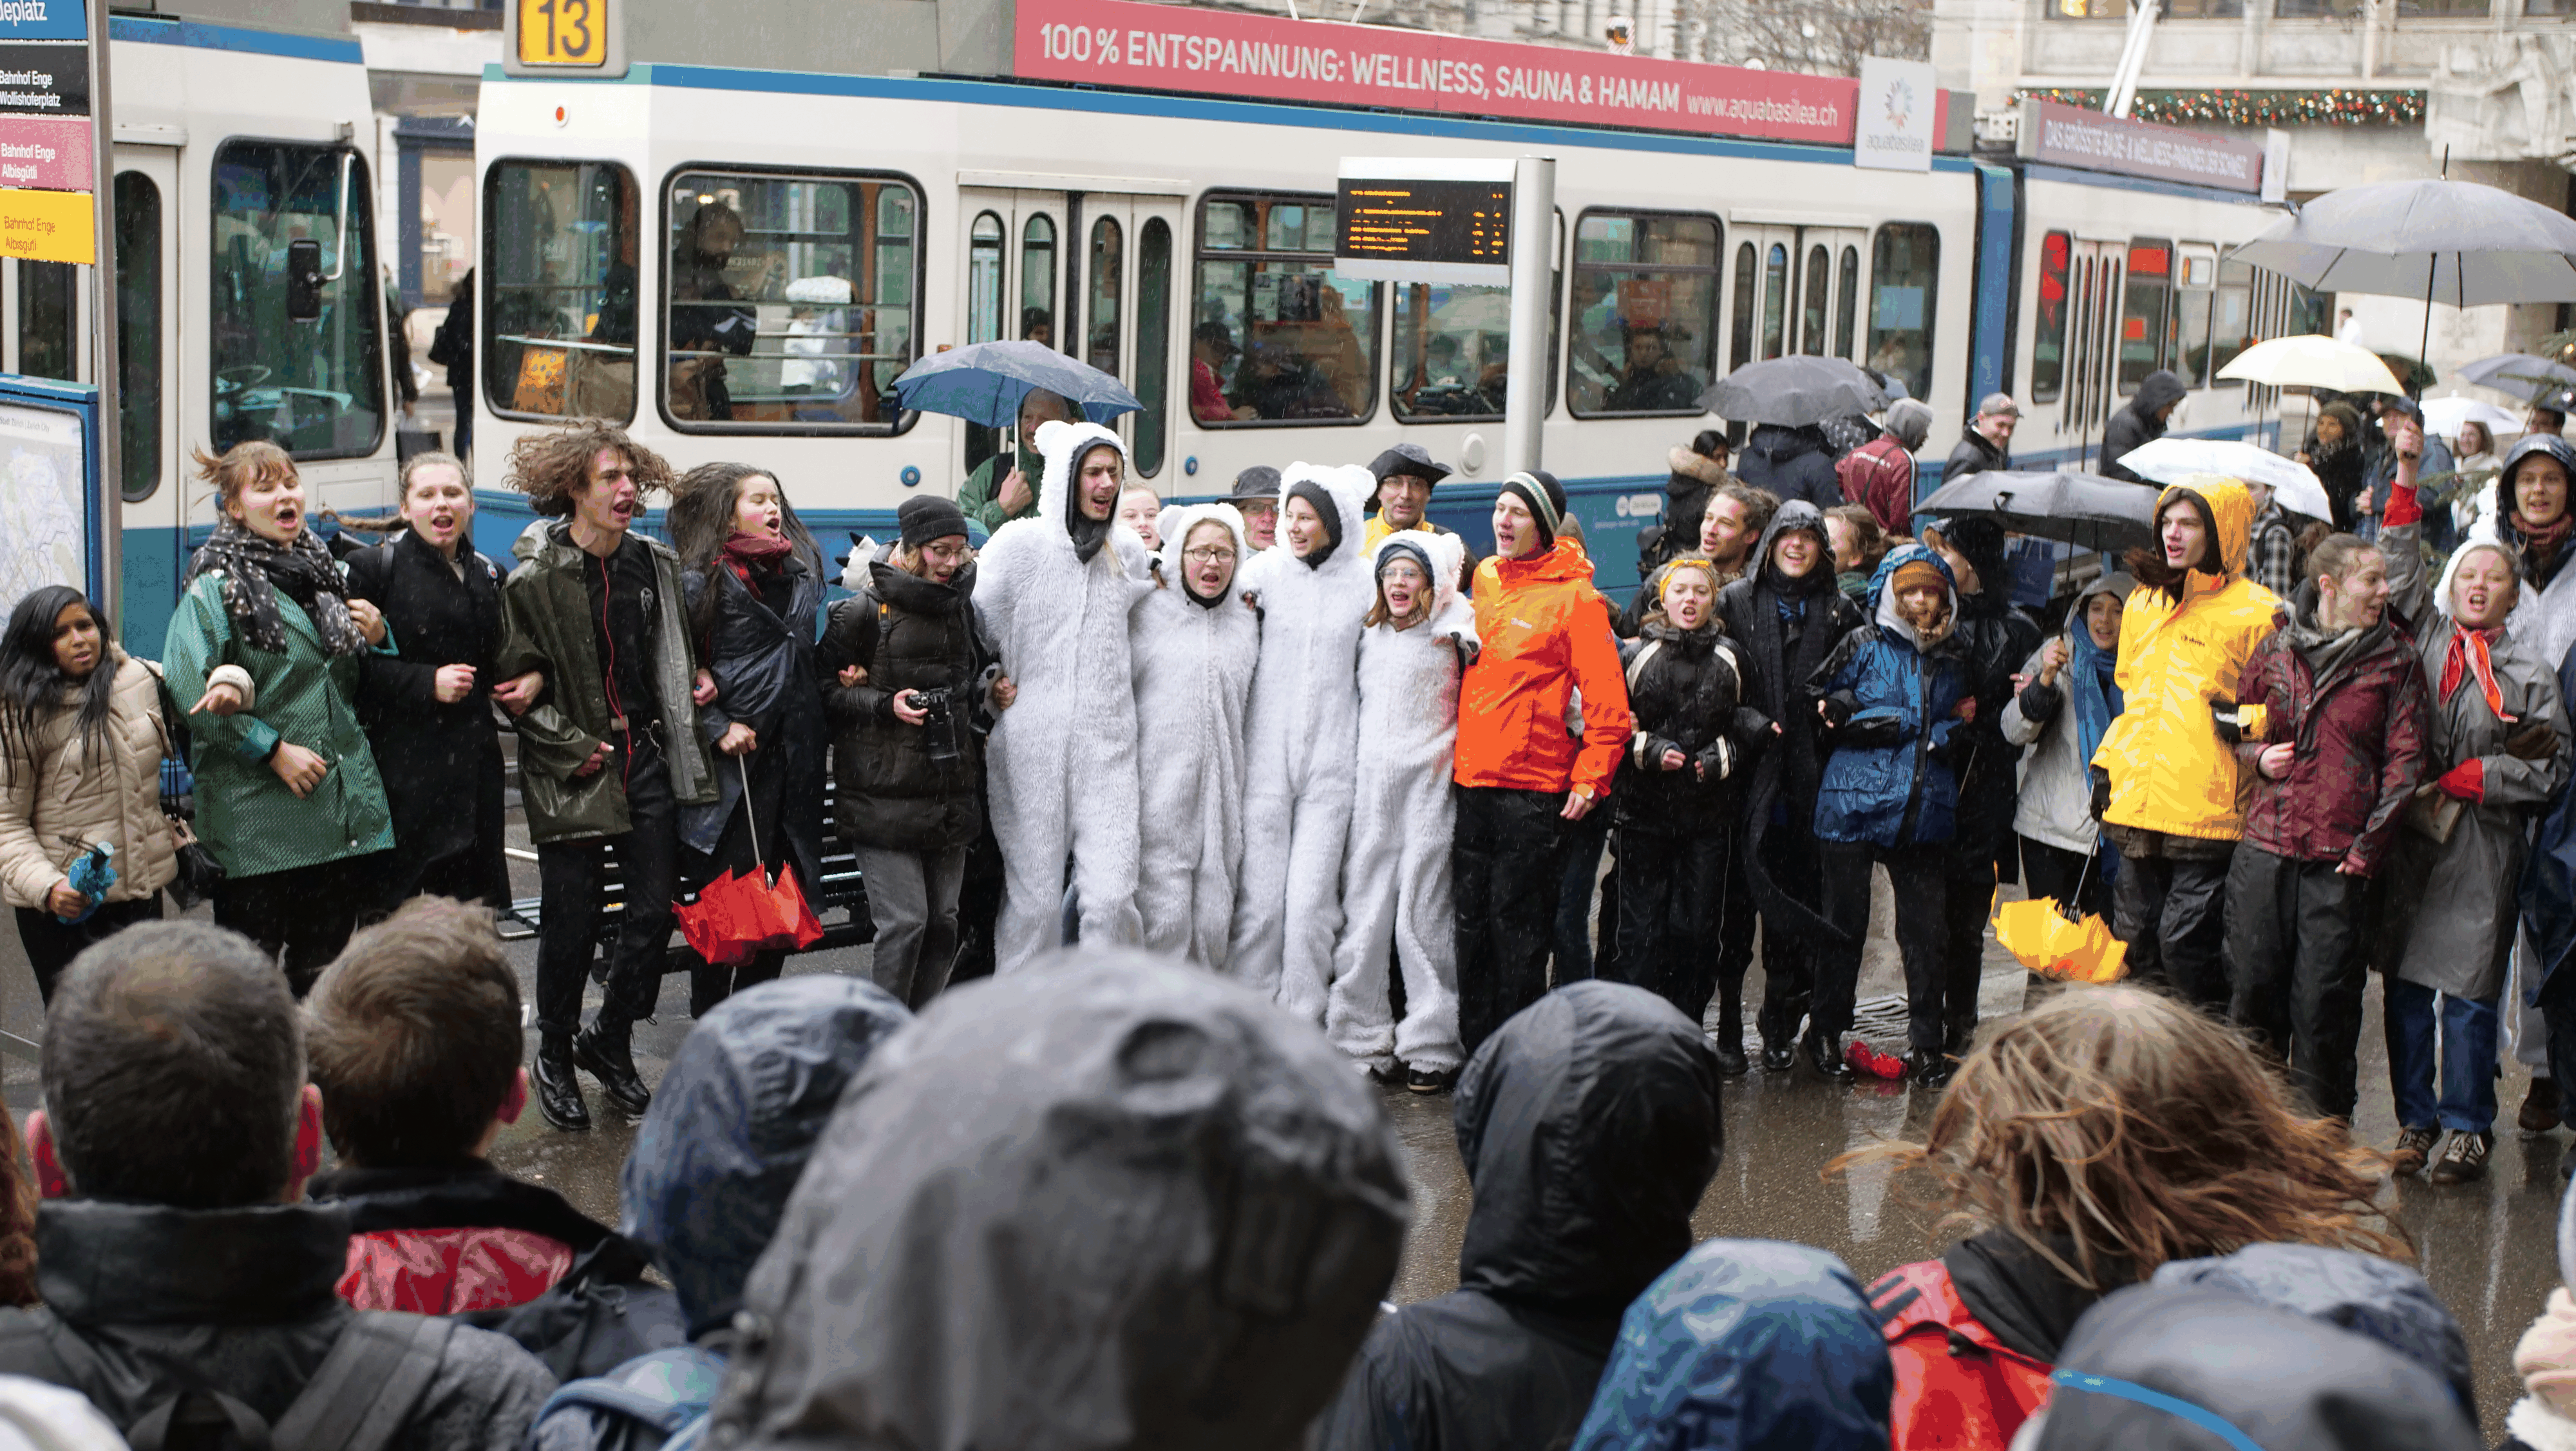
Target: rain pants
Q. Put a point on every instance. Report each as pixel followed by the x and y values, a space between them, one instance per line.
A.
pixel 1193 668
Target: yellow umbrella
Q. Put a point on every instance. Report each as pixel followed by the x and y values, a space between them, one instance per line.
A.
pixel 2039 935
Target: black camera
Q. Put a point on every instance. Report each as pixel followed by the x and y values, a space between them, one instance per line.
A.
pixel 938 724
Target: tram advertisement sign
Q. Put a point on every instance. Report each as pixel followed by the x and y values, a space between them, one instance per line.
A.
pixel 2063 135
pixel 1215 52
pixel 46 143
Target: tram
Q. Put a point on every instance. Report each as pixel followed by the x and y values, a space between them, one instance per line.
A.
pixel 736 264
pixel 237 157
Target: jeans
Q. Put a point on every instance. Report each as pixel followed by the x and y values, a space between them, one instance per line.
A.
pixel 1506 865
pixel 303 916
pixel 569 875
pixel 1918 877
pixel 1583 844
pixel 912 895
pixel 52 943
pixel 2467 1034
pixel 2296 938
pixel 2171 911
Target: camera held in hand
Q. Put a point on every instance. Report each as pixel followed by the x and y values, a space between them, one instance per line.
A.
pixel 938 724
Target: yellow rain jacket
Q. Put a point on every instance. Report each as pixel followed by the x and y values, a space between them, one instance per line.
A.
pixel 2170 772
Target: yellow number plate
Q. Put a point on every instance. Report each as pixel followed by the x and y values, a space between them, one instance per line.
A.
pixel 563 32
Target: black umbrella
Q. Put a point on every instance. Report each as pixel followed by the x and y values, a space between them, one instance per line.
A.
pixel 1794 391
pixel 2086 510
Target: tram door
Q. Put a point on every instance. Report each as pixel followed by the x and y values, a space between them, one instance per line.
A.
pixel 1127 312
pixel 2095 274
pixel 1015 280
pixel 1795 289
pixel 147 298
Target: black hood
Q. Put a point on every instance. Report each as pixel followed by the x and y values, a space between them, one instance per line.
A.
pixel 1797 515
pixel 2159 388
pixel 1105 1202
pixel 1981 542
pixel 1781 443
pixel 912 594
pixel 2287 1382
pixel 1589 1125
pixel 469 1196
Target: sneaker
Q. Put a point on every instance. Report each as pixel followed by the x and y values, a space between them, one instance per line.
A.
pixel 2463 1159
pixel 2539 1107
pixel 1429 1080
pixel 2414 1146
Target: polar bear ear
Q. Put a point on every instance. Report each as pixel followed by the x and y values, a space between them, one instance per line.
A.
pixel 1050 434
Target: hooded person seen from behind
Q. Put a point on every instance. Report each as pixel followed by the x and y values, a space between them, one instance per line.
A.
pixel 1589 1125
pixel 1165 1227
pixel 2142 422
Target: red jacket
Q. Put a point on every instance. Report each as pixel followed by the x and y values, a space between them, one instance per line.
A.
pixel 1879 475
pixel 2360 734
pixel 1958 1388
pixel 444 1241
pixel 1545 633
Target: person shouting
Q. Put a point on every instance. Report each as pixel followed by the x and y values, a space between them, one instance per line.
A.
pixel 2535 490
pixel 2165 779
pixel 2336 752
pixel 1545 635
pixel 1300 738
pixel 1195 644
pixel 1396 893
pixel 1051 602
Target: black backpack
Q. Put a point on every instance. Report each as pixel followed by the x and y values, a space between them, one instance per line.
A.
pixel 599 1316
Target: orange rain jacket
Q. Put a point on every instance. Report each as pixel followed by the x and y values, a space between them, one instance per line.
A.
pixel 1546 634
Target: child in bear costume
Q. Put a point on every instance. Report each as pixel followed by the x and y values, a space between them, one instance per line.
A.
pixel 1301 738
pixel 1195 643
pixel 1395 880
pixel 1052 594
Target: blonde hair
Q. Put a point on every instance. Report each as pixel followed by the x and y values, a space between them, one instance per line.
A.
pixel 2125 1123
pixel 431 459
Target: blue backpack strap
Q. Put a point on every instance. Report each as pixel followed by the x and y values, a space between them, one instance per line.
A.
pixel 664 1389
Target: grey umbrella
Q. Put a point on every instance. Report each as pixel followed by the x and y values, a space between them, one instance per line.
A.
pixel 2452 242
pixel 1795 390
pixel 2536 381
pixel 2086 510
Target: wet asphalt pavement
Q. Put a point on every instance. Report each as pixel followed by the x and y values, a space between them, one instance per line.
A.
pixel 2488 1248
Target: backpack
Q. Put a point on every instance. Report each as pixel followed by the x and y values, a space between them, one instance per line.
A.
pixel 360 1398
pixel 598 1318
pixel 655 1402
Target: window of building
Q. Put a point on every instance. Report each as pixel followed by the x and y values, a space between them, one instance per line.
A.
pixel 2173 9
pixel 2316 9
pixel 1287 339
pixel 138 333
pixel 2548 7
pixel 2444 9
pixel 2231 317
pixel 313 385
pixel 788 301
pixel 1153 343
pixel 2048 337
pixel 559 244
pixel 1904 288
pixel 1644 312
pixel 2142 311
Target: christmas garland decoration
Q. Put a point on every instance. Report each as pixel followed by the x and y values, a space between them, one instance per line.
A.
pixel 2337 107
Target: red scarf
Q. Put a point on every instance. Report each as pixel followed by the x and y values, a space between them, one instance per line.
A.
pixel 746 553
pixel 2468 656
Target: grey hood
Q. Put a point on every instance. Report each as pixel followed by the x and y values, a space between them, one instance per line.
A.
pixel 2361 1293
pixel 1108 1201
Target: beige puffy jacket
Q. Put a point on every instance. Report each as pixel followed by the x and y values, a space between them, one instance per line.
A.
pixel 52 808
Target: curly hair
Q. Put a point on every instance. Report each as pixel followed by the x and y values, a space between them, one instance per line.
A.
pixel 2140 1131
pixel 552 467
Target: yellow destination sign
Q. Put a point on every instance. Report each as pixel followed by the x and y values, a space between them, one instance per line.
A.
pixel 572 33
pixel 47 226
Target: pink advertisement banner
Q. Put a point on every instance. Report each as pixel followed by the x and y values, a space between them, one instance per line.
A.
pixel 45 153
pixel 1219 53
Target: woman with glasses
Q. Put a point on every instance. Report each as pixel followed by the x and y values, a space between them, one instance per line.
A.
pixel 1194 642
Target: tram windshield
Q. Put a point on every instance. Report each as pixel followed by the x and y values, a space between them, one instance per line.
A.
pixel 790 300
pixel 305 372
pixel 559 289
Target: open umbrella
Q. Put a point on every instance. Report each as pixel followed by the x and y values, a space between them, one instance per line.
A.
pixel 2314 360
pixel 2171 460
pixel 2446 416
pixel 2086 510
pixel 984 383
pixel 2452 242
pixel 1796 390
pixel 2537 381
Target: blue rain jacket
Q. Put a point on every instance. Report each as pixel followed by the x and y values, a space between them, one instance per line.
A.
pixel 1889 780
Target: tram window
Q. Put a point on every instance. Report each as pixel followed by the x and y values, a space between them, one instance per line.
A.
pixel 1108 262
pixel 984 280
pixel 1453 350
pixel 2048 340
pixel 1153 343
pixel 1812 308
pixel 1037 280
pixel 2142 311
pixel 1741 351
pixel 1644 312
pixel 1775 300
pixel 314 387
pixel 2232 318
pixel 1847 303
pixel 48 306
pixel 138 332
pixel 1904 287
pixel 2187 334
pixel 1280 337
pixel 789 301
pixel 559 243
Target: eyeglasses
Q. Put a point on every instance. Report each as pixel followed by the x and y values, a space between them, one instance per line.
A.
pixel 1208 556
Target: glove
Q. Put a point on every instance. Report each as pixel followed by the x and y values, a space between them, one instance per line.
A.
pixel 2466 781
pixel 2101 792
pixel 1718 759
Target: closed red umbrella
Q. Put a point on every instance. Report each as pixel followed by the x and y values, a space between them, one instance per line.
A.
pixel 740 914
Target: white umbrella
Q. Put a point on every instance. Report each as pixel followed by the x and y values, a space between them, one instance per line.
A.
pixel 2444 416
pixel 2174 460
pixel 2314 361
pixel 2452 242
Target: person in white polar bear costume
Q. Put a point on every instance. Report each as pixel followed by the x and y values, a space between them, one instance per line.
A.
pixel 1395 880
pixel 1195 643
pixel 1052 595
pixel 1313 590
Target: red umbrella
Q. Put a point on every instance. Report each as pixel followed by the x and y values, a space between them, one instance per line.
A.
pixel 740 914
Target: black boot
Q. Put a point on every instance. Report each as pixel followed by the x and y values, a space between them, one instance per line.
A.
pixel 606 1052
pixel 1933 1070
pixel 558 1092
pixel 1780 1057
pixel 1825 1055
pixel 1730 1041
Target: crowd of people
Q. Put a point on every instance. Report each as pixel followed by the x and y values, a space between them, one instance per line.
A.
pixel 1347 765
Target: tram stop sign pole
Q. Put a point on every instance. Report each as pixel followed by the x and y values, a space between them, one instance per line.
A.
pixel 1462 221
